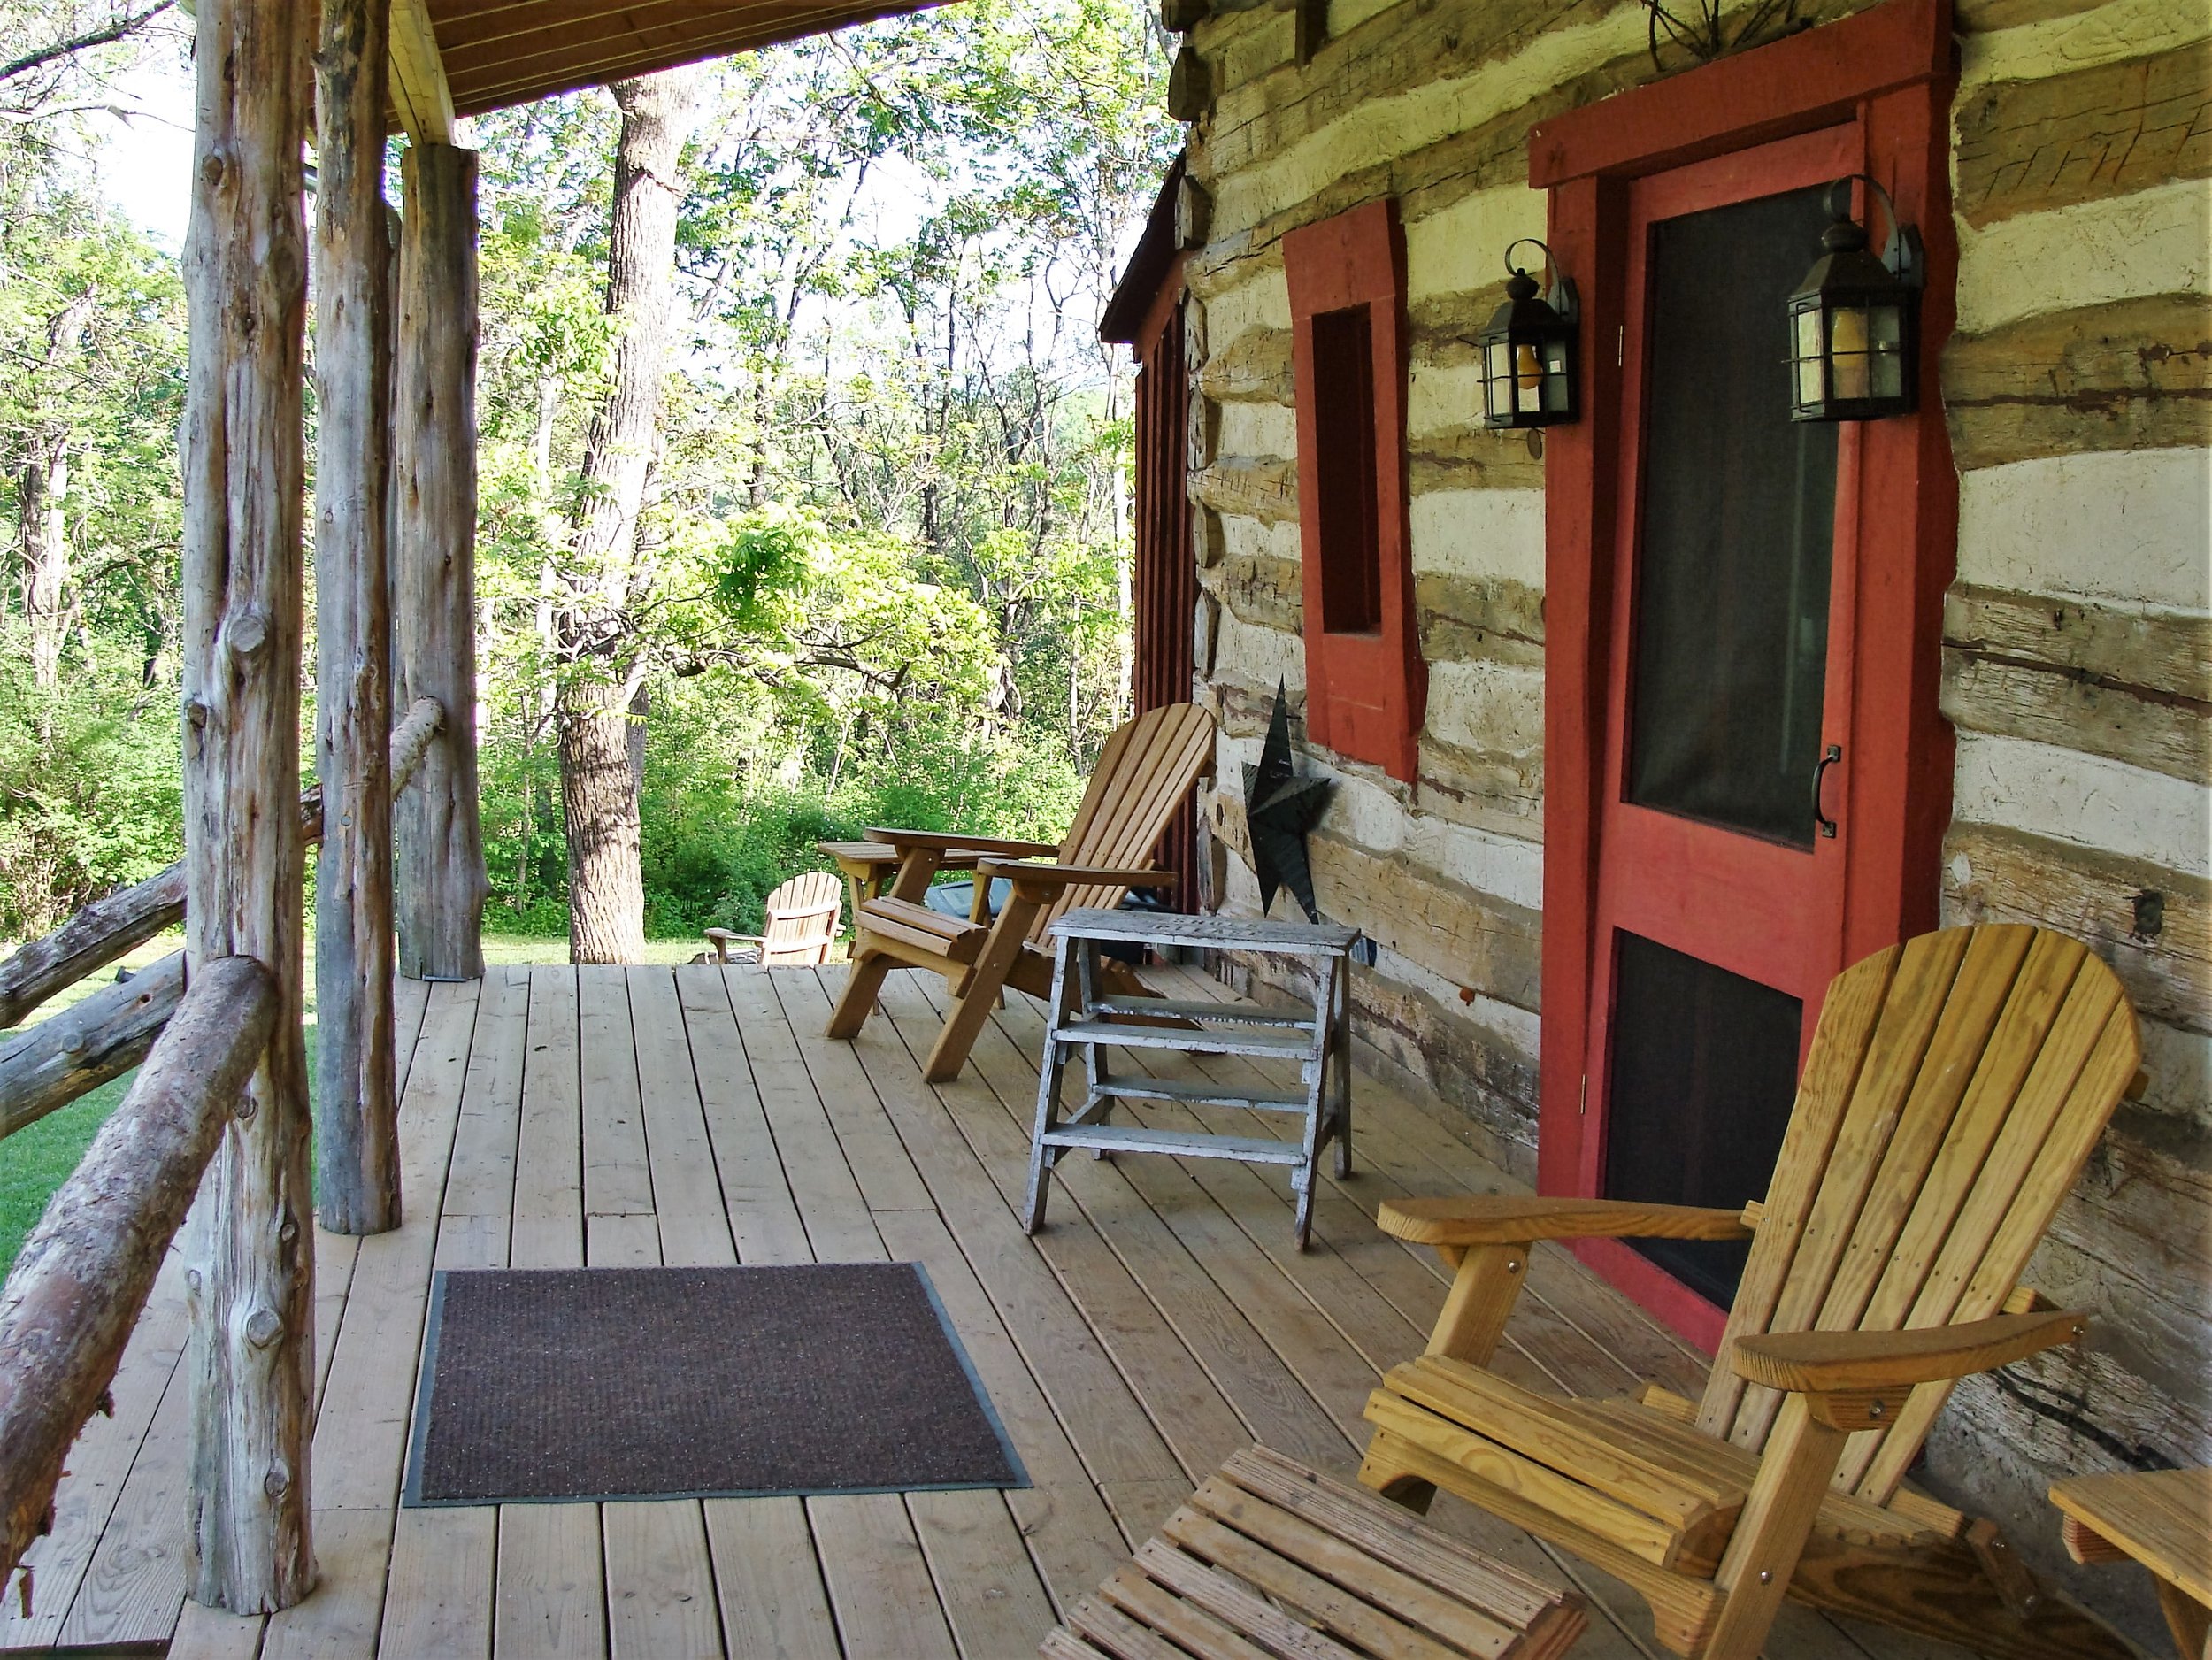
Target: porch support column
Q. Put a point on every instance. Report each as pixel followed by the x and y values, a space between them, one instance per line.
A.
pixel 357 1135
pixel 248 1257
pixel 442 884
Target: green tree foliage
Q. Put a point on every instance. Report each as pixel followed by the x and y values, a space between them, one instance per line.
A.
pixel 884 547
pixel 881 573
pixel 91 386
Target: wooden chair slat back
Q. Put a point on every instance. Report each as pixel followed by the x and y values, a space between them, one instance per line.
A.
pixel 803 918
pixel 1956 1086
pixel 1145 770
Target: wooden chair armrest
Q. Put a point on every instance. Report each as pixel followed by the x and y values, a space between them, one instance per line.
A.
pixel 984 845
pixel 1832 1363
pixel 868 859
pixel 1073 875
pixel 727 937
pixel 1498 1220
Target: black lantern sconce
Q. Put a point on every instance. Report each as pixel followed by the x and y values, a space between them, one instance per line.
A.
pixel 1528 350
pixel 1855 321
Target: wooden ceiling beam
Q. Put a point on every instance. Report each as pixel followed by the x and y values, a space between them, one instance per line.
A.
pixel 463 30
pixel 420 94
pixel 498 78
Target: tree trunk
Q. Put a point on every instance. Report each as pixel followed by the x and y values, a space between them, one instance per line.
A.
pixel 641 710
pixel 599 808
pixel 599 798
pixel 43 535
pixel 41 503
pixel 249 1262
pixel 442 881
pixel 357 1138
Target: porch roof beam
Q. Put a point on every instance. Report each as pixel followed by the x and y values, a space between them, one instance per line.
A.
pixel 420 94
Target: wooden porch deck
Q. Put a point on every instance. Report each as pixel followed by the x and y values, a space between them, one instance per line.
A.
pixel 554 1117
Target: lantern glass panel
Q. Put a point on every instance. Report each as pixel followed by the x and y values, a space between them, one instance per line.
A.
pixel 1556 386
pixel 1528 376
pixel 1808 360
pixel 1885 325
pixel 1847 351
pixel 1497 379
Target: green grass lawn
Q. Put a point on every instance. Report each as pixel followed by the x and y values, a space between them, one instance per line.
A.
pixel 37 1160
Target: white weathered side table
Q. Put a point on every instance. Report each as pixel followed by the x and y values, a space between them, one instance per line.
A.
pixel 1319 1043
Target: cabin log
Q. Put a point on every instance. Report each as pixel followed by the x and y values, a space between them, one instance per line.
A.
pixel 2074 646
pixel 442 885
pixel 84 1046
pixel 249 1267
pixel 357 1137
pixel 89 941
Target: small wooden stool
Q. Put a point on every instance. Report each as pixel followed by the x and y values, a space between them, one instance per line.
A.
pixel 1269 1558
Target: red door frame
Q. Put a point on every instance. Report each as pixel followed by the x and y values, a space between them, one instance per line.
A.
pixel 1891 71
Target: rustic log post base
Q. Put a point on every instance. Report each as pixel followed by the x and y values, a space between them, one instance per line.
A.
pixel 249 1262
pixel 442 886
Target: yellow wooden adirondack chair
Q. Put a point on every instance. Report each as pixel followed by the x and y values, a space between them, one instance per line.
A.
pixel 1955 1087
pixel 1144 771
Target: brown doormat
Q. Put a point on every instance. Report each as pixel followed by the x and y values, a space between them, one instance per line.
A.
pixel 633 1383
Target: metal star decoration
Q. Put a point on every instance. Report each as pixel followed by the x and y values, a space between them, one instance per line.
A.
pixel 1278 809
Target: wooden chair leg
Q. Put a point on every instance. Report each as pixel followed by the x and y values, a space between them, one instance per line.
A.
pixel 1800 1461
pixel 861 989
pixel 977 995
pixel 962 1027
pixel 2188 1620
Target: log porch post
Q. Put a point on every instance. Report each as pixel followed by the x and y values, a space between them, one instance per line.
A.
pixel 358 1136
pixel 249 1258
pixel 442 882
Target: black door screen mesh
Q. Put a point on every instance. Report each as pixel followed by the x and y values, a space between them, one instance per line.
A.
pixel 1739 518
pixel 1704 1072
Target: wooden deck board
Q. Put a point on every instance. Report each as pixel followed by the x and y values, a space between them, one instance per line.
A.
pixel 553 1117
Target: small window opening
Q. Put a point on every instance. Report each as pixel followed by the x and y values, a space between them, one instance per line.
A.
pixel 1344 410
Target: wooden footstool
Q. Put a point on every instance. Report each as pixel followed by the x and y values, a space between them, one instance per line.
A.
pixel 1269 1558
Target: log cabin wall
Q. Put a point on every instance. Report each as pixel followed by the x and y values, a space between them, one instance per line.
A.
pixel 2077 648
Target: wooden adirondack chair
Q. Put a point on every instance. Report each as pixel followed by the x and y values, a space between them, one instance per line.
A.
pixel 801 926
pixel 1146 769
pixel 1955 1087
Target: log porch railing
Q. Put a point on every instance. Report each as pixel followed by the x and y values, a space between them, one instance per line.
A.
pixel 83 1276
pixel 110 1032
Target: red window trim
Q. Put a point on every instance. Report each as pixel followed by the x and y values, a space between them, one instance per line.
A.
pixel 1890 72
pixel 1366 694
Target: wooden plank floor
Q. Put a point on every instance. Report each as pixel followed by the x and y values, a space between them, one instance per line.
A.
pixel 559 1117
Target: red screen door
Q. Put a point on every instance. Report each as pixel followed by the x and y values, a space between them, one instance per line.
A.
pixel 1719 914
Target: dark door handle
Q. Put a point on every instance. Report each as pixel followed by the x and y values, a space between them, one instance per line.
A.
pixel 1829 756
